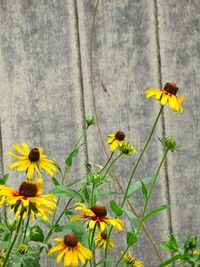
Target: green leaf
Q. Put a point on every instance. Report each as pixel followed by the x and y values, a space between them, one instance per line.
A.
pixel 132 218
pixel 4 179
pixel 144 189
pixel 155 211
pixel 131 238
pixel 62 228
pixel 84 193
pixel 137 185
pixel 173 259
pixel 61 190
pixel 72 155
pixel 31 262
pixel 74 181
pixel 55 181
pixel 36 234
pixel 115 208
pixel 108 193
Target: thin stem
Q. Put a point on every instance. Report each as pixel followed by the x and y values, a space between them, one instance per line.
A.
pixel 14 239
pixel 91 243
pixel 140 157
pixel 115 159
pixel 106 249
pixel 107 162
pixel 122 256
pixel 152 188
pixel 92 194
pixel 27 223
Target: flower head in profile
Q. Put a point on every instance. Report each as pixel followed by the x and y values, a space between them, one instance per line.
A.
pixel 31 159
pixel 167 94
pixel 96 215
pixel 127 149
pixel 72 250
pixel 115 140
pixel 23 249
pixel 28 197
pixel 130 260
pixel 101 238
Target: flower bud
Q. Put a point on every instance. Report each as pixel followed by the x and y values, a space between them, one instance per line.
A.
pixel 12 225
pixel 89 120
pixel 169 143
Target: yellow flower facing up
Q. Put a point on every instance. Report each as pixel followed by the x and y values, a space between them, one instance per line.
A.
pixel 29 196
pixel 115 140
pixel 101 240
pixel 31 159
pixel 72 250
pixel 167 94
pixel 96 215
pixel 130 260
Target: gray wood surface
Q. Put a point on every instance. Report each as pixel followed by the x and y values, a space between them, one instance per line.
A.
pixel 46 91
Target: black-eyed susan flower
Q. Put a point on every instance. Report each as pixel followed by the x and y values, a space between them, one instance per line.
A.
pixel 167 94
pixel 130 260
pixel 28 197
pixel 23 249
pixel 115 140
pixel 72 250
pixel 196 252
pixel 127 149
pixel 96 215
pixel 101 240
pixel 31 159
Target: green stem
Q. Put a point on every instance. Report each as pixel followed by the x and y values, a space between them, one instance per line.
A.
pixel 92 194
pixel 14 239
pixel 140 157
pixel 106 163
pixel 27 223
pixel 122 256
pixel 106 249
pixel 152 189
pixel 111 164
pixel 91 243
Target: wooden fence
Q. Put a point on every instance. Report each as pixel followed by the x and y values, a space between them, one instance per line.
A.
pixel 45 87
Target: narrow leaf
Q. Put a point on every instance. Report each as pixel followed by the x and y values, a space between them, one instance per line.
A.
pixel 155 211
pixel 144 189
pixel 131 238
pixel 4 179
pixel 69 159
pixel 173 259
pixel 137 185
pixel 55 181
pixel 65 191
pixel 115 208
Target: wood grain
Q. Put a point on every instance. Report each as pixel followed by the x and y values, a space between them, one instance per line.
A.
pixel 125 61
pixel 179 31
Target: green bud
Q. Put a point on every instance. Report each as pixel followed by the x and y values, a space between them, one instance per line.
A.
pixel 12 225
pixel 190 243
pixel 89 120
pixel 169 143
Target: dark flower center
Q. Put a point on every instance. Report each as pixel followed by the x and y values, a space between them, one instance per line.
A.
pixel 120 135
pixel 70 240
pixel 104 235
pixel 28 189
pixel 34 155
pixel 171 88
pixel 99 211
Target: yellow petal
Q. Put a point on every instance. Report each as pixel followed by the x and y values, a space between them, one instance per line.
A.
pixel 68 257
pixel 60 255
pixel 19 150
pixel 74 258
pixel 54 249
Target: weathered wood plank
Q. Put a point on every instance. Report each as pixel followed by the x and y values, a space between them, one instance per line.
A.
pixel 179 31
pixel 125 60
pixel 41 99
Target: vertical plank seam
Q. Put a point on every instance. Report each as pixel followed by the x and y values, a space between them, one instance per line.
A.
pixel 162 117
pixel 80 75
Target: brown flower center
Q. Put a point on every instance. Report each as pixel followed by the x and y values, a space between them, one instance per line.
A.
pixel 104 235
pixel 70 240
pixel 34 155
pixel 99 211
pixel 120 135
pixel 171 88
pixel 28 189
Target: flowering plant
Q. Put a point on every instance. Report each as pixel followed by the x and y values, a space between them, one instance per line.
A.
pixel 88 221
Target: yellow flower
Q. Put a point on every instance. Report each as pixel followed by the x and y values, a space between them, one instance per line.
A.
pixel 29 196
pixel 196 252
pixel 72 250
pixel 115 140
pixel 101 240
pixel 22 249
pixel 130 260
pixel 31 159
pixel 167 94
pixel 127 149
pixel 96 214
